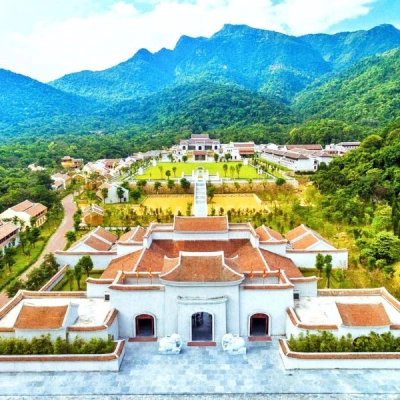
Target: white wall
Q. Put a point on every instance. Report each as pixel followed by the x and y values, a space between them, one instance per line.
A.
pixel 306 259
pixel 271 302
pixel 100 261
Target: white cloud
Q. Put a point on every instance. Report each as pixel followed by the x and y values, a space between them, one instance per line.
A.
pixel 104 38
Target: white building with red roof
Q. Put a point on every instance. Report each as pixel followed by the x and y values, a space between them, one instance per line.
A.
pixel 25 212
pixel 9 235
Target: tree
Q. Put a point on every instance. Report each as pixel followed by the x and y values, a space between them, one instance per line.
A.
pixel 141 184
pixel 78 274
pixel 319 263
pixel 157 186
pixel 8 258
pixel 225 168
pixel 14 287
pixel 228 156
pixel 184 158
pixel 70 236
pixel 238 168
pixel 174 171
pixel 170 184
pixel 86 264
pixel 104 193
pixel 135 194
pixel 216 157
pixel 161 169
pixel 211 192
pixel 120 193
pixel 328 269
pixel 69 274
pixel 185 184
pixel 167 173
pixel 280 181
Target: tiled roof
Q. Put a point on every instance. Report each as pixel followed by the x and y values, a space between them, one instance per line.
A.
pixel 363 314
pixel 96 243
pixel 172 248
pixel 151 258
pixel 105 234
pixel 305 242
pixel 36 209
pixel 249 258
pixel 7 228
pixel 134 235
pixel 201 224
pixel 200 268
pixel 268 235
pixel 296 232
pixel 304 146
pixel 123 263
pixel 40 317
pixel 22 206
pixel 277 262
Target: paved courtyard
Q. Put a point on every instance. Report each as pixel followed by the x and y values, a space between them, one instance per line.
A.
pixel 206 372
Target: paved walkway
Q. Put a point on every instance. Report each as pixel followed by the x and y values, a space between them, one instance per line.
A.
pixel 56 242
pixel 204 371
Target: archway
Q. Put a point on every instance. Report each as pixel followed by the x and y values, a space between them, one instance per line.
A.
pixel 144 325
pixel 202 327
pixel 259 325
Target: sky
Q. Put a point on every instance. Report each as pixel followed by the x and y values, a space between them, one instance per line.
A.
pixel 46 39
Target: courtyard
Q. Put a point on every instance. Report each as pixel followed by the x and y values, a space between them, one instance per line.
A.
pixel 204 371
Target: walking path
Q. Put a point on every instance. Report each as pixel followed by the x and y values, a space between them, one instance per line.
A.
pixel 204 371
pixel 56 242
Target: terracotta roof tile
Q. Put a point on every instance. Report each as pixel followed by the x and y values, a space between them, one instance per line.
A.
pixel 304 243
pixel 268 235
pixel 296 232
pixel 96 243
pixel 7 229
pixel 134 235
pixel 249 258
pixel 363 314
pixel 201 224
pixel 172 248
pixel 105 234
pixel 22 206
pixel 36 209
pixel 304 146
pixel 276 262
pixel 201 268
pixel 39 317
pixel 124 263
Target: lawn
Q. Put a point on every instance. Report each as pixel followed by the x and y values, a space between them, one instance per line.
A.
pixel 64 286
pixel 154 173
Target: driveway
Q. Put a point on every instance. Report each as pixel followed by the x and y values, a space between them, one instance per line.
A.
pixel 56 242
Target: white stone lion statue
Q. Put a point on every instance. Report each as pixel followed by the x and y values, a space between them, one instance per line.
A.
pixel 170 344
pixel 233 344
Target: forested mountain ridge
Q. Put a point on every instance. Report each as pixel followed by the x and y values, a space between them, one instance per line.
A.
pixel 368 93
pixel 259 60
pixel 263 61
pixel 23 98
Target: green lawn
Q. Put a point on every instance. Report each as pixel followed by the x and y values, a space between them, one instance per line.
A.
pixel 64 286
pixel 246 172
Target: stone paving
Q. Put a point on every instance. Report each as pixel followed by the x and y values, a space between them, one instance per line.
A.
pixel 205 372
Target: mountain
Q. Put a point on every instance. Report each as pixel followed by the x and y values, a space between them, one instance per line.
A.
pixel 251 58
pixel 266 62
pixel 344 49
pixel 367 93
pixel 24 99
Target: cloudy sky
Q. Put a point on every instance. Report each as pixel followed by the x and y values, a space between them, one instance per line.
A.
pixel 46 39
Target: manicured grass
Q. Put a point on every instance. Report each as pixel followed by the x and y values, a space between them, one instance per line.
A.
pixel 64 286
pixel 246 172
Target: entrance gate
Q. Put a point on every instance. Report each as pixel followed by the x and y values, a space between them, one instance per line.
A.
pixel 202 327
pixel 259 325
pixel 144 325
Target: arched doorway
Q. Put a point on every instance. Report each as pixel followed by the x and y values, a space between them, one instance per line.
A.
pixel 259 325
pixel 144 325
pixel 202 327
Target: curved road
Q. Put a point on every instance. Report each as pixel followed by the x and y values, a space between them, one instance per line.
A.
pixel 56 242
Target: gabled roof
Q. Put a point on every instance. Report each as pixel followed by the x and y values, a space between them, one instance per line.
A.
pixel 41 317
pixel 7 229
pixel 363 314
pixel 201 224
pixel 268 235
pixel 302 238
pixel 126 262
pixel 134 235
pixel 105 234
pixel 100 240
pixel 36 209
pixel 22 206
pixel 304 146
pixel 277 262
pixel 199 267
